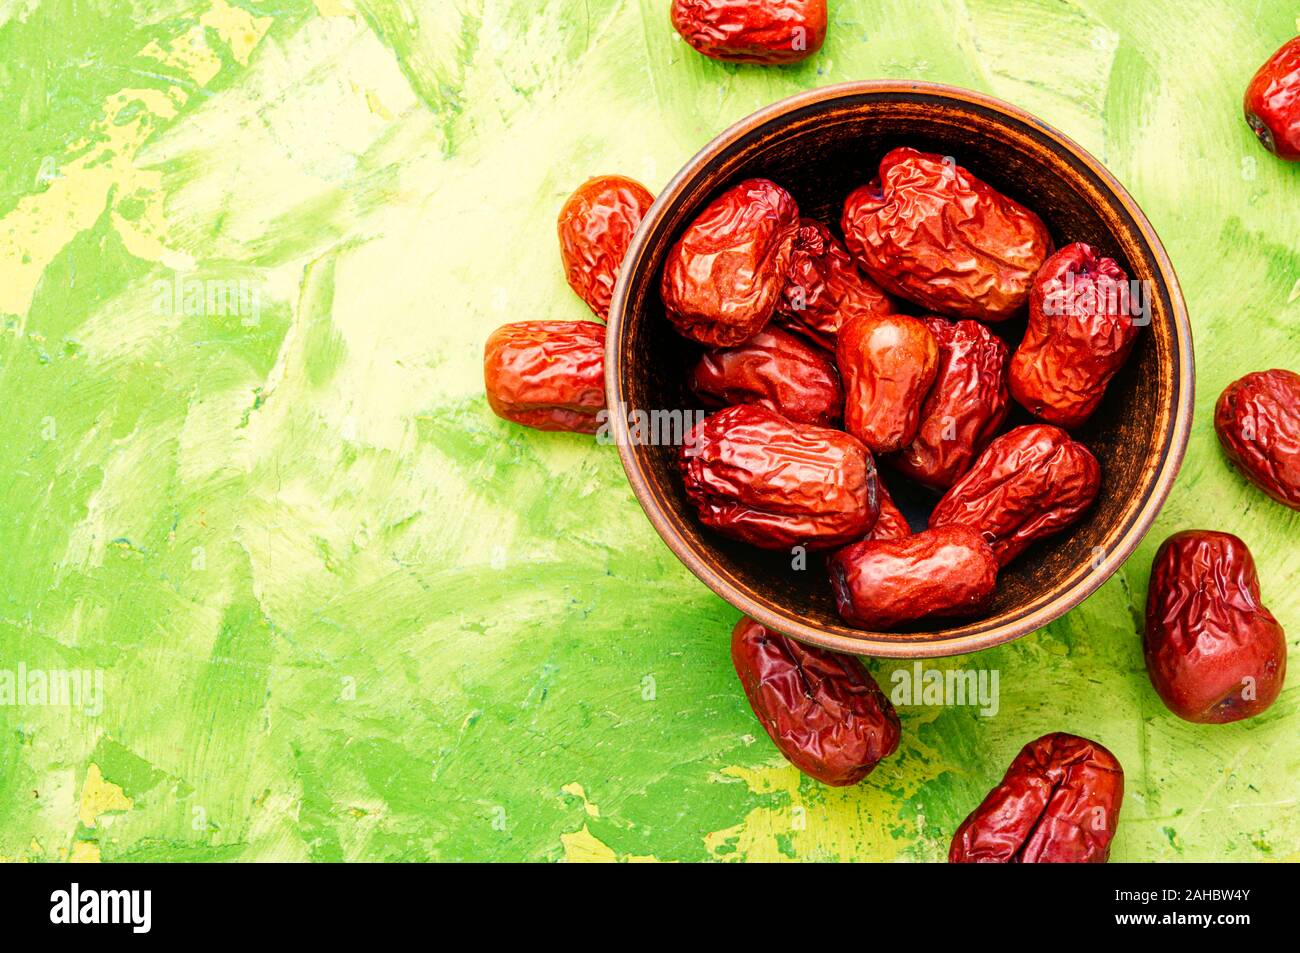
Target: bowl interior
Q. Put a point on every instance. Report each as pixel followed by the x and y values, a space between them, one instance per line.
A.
pixel 821 146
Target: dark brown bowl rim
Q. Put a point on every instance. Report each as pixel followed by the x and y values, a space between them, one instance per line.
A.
pixel 917 646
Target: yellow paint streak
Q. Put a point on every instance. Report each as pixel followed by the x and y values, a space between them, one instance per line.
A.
pixel 100 797
pixel 188 52
pixel 84 852
pixel 240 30
pixel 577 790
pixel 584 847
pixel 335 8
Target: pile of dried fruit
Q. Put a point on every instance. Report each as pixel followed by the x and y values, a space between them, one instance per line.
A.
pixel 814 369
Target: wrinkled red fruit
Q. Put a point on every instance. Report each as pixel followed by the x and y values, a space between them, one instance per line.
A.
pixel 1273 102
pixel 1058 803
pixel 822 709
pixel 596 226
pixel 773 370
pixel 1080 333
pixel 752 31
pixel 1258 422
pixel 1213 652
pixel 757 477
pixel 949 572
pixel 1029 483
pixel 929 231
pixel 723 276
pixel 887 363
pixel 891 523
pixel 547 374
pixel 824 288
pixel 966 407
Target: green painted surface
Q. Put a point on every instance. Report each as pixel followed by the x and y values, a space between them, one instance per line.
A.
pixel 342 612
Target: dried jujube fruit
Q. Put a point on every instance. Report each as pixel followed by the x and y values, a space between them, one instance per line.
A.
pixel 724 275
pixel 1257 419
pixel 948 572
pixel 965 408
pixel 1215 654
pixel 755 476
pixel 1058 803
pixel 887 364
pixel 752 31
pixel 774 370
pixel 1272 103
pixel 929 231
pixel 824 288
pixel 1080 333
pixel 549 375
pixel 596 226
pixel 822 709
pixel 1028 484
pixel 891 523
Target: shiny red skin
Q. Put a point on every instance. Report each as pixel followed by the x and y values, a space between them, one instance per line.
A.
pixel 887 364
pixel 966 407
pixel 774 370
pixel 755 476
pixel 1029 483
pixel 1060 370
pixel 1206 631
pixel 932 233
pixel 725 273
pixel 596 226
pixel 549 375
pixel 1058 803
pixel 891 523
pixel 824 287
pixel 823 710
pixel 879 583
pixel 770 32
pixel 1272 103
pixel 1257 419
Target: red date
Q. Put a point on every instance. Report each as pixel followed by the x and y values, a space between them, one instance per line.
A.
pixel 752 31
pixel 1258 422
pixel 888 363
pixel 948 572
pixel 596 226
pixel 1029 483
pixel 1213 652
pixel 824 288
pixel 929 231
pixel 967 404
pixel 774 370
pixel 549 375
pixel 725 273
pixel 1080 333
pixel 891 523
pixel 1273 102
pixel 1058 803
pixel 755 476
pixel 822 709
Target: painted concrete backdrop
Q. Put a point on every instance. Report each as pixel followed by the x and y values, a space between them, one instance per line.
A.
pixel 322 605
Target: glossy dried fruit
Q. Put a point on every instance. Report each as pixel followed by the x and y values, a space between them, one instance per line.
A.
pixel 724 274
pixel 596 226
pixel 891 523
pixel 948 572
pixel 1029 483
pixel 773 370
pixel 1058 803
pixel 824 288
pixel 929 231
pixel 1080 333
pixel 822 709
pixel 1258 422
pixel 754 476
pixel 547 374
pixel 887 364
pixel 752 31
pixel 966 407
pixel 1213 652
pixel 1272 103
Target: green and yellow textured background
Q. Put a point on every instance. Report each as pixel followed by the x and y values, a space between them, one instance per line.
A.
pixel 342 611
